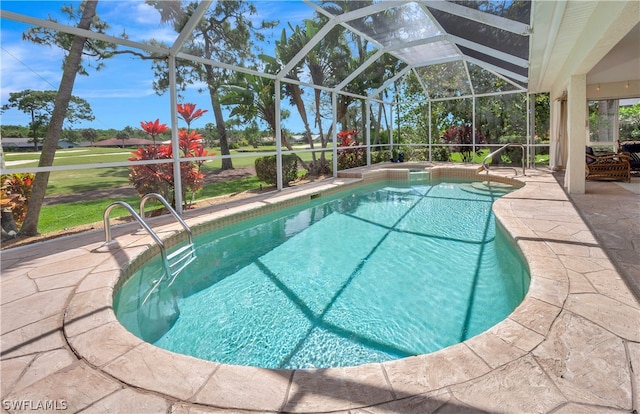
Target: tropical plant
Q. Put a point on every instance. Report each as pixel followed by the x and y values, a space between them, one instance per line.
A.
pixel 8 224
pixel 350 155
pixel 159 178
pixel 154 128
pixel 17 189
pixel 225 34
pixel 253 97
pixel 188 113
pixel 462 138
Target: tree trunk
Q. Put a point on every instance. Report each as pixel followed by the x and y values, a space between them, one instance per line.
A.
pixel 222 131
pixel 217 114
pixel 54 130
pixel 297 96
pixel 378 125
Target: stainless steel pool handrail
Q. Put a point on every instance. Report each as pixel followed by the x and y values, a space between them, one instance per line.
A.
pixel 169 208
pixel 485 166
pixel 140 220
pixel 175 262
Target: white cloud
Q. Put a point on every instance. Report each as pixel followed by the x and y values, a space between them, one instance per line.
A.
pixel 138 20
pixel 20 71
pixel 115 93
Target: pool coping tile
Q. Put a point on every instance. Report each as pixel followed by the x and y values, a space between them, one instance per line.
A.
pixel 513 366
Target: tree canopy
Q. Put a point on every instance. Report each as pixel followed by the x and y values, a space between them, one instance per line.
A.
pixel 39 105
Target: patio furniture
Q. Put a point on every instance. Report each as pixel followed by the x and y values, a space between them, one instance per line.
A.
pixel 632 148
pixel 614 166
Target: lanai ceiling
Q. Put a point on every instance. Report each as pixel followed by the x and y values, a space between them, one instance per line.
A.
pixel 524 45
pixel 474 45
pixel 459 38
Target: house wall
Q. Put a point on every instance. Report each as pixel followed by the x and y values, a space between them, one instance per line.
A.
pixel 592 67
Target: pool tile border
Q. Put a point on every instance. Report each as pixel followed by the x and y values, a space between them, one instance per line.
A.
pixel 95 335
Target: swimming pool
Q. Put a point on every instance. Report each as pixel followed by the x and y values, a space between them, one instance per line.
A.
pixel 383 273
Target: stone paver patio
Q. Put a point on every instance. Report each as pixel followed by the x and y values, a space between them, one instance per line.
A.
pixel 573 345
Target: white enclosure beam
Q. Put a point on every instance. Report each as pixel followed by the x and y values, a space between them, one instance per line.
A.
pixel 82 32
pixel 494 68
pixel 480 16
pixel 175 141
pixel 191 24
pixel 524 63
pixel 278 133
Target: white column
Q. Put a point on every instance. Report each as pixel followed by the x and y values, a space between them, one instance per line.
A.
pixel 555 161
pixel 577 134
pixel 278 132
pixel 175 141
pixel 367 132
pixel 334 138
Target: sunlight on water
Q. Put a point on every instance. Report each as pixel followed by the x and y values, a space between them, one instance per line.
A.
pixel 377 275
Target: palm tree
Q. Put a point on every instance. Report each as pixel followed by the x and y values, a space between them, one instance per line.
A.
pixel 225 34
pixel 254 96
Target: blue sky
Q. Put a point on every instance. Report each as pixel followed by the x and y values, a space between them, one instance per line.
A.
pixel 121 93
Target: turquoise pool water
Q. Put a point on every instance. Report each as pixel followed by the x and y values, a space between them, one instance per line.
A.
pixel 380 274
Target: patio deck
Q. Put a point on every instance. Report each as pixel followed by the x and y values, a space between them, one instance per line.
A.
pixel 573 345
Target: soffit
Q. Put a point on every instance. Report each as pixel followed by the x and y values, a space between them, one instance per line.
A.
pixel 574 37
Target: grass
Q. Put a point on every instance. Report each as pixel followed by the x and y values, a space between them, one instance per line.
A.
pixel 60 216
pixel 63 216
pixel 77 181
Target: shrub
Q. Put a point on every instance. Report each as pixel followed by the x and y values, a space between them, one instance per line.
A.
pixel 462 137
pixel 349 157
pixel 15 191
pixel 158 178
pixel 319 167
pixel 439 153
pixel 379 155
pixel 511 155
pixel 266 169
pixel 17 187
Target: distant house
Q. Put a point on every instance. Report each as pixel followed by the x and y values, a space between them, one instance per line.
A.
pixel 26 144
pixel 303 138
pixel 118 143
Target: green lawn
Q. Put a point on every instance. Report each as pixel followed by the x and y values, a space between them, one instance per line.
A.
pixel 60 216
pixel 77 181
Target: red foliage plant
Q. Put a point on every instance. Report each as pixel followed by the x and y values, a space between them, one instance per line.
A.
pixel 462 136
pixel 188 113
pixel 348 138
pixel 159 178
pixel 154 128
pixel 350 157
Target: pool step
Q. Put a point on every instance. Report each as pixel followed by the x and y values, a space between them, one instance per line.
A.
pixel 417 176
pixel 180 259
pixel 175 262
pixel 490 188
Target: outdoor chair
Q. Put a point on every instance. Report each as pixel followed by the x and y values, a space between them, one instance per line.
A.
pixel 614 166
pixel 631 148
